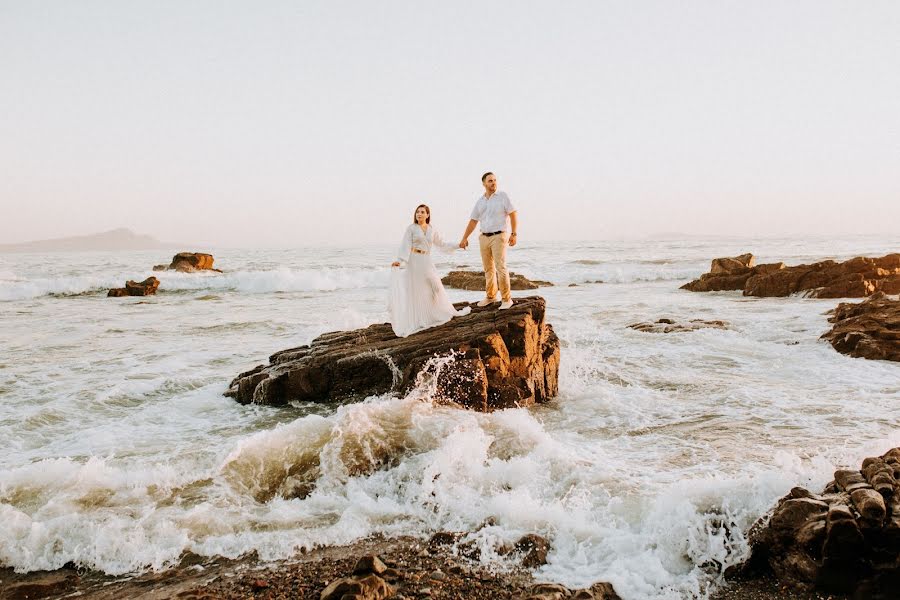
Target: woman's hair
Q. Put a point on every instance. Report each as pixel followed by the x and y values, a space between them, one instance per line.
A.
pixel 428 210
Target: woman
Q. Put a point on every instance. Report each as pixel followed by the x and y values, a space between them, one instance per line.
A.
pixel 417 299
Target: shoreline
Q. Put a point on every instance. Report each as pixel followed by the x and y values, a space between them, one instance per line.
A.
pixel 423 570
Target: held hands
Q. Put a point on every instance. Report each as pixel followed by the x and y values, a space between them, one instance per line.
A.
pixel 464 244
pixel 395 264
pixel 512 239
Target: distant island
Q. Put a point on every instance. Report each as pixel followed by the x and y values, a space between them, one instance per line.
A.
pixel 116 239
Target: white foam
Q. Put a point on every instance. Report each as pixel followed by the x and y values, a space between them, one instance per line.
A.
pixel 249 282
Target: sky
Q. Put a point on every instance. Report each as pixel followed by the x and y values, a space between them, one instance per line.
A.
pixel 291 123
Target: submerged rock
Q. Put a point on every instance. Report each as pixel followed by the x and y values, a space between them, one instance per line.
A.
pixel 486 360
pixel 189 262
pixel 146 287
pixel 855 278
pixel 474 281
pixel 868 329
pixel 847 539
pixel 670 326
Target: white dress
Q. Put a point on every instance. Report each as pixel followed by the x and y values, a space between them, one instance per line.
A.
pixel 417 298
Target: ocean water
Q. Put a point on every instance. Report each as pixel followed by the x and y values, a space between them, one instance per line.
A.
pixel 120 452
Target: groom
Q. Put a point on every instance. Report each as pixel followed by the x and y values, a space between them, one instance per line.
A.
pixel 492 210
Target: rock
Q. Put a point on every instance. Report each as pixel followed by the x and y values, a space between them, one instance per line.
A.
pixel 879 473
pixel 369 564
pixel 670 326
pixel 146 287
pixel 855 278
pixel 486 360
pixel 555 591
pixel 731 265
pixel 534 548
pixel 41 585
pixel 845 540
pixel 189 262
pixel 361 587
pixel 603 591
pixel 868 329
pixel 474 281
pixel 259 584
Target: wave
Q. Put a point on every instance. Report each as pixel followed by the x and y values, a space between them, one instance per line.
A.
pixel 26 289
pixel 250 282
pixel 634 273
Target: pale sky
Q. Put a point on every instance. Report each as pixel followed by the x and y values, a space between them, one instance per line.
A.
pixel 299 122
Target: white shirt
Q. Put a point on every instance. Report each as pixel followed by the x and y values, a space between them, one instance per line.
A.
pixel 492 213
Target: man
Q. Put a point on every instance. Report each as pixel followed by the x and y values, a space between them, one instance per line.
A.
pixel 492 210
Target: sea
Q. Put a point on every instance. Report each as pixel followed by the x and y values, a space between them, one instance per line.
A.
pixel 120 453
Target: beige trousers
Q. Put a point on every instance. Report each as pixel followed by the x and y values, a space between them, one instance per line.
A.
pixel 493 257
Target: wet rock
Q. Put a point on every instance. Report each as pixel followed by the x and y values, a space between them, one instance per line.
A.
pixel 732 264
pixel 534 549
pixel 189 262
pixel 369 564
pixel 474 281
pixel 40 585
pixel 486 360
pixel 846 539
pixel 869 329
pixel 147 287
pixel 670 326
pixel 359 587
pixel 555 591
pixel 856 278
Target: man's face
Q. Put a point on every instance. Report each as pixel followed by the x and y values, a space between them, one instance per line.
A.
pixel 490 184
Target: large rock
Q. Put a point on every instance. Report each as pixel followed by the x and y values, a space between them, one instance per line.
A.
pixel 146 287
pixel 474 281
pixel 485 360
pixel 847 539
pixel 856 278
pixel 671 326
pixel 189 262
pixel 868 329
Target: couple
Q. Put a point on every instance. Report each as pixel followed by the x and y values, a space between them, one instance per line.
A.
pixel 417 298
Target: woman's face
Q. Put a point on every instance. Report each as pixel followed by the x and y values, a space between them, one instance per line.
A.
pixel 421 215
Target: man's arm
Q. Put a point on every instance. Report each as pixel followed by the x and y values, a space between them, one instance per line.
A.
pixel 513 223
pixel 469 229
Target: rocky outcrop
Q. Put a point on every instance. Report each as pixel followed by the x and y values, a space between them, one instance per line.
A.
pixel 189 262
pixel 146 287
pixel 671 326
pixel 486 360
pixel 855 278
pixel 846 539
pixel 868 329
pixel 474 281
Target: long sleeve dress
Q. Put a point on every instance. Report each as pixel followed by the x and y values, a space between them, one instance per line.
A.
pixel 417 298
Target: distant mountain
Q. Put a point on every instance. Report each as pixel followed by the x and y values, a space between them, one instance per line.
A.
pixel 117 239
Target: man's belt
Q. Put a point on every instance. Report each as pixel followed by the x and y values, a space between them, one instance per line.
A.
pixel 491 233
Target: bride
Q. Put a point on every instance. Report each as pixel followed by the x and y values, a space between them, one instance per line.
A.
pixel 417 298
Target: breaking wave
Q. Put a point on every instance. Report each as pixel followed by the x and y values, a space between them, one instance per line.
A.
pixel 248 282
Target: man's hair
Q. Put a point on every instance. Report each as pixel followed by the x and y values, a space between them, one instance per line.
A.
pixel 485 176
